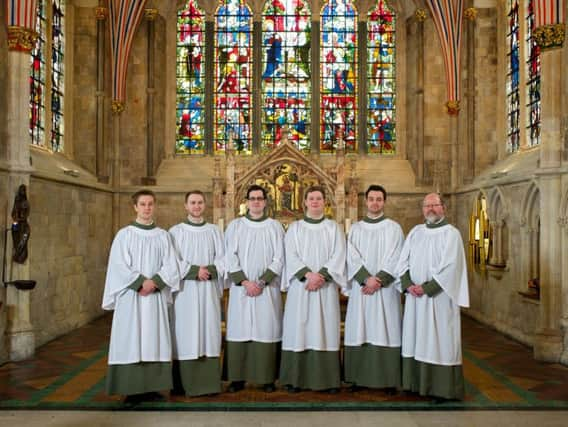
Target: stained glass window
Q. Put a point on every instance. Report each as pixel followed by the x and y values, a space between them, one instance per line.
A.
pixel 233 77
pixel 513 100
pixel 190 81
pixel 533 79
pixel 37 79
pixel 338 60
pixel 57 73
pixel 286 73
pixel 381 79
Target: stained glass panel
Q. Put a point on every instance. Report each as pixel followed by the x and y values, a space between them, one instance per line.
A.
pixel 533 79
pixel 37 79
pixel 338 75
pixel 286 73
pixel 233 77
pixel 57 73
pixel 513 100
pixel 381 81
pixel 190 82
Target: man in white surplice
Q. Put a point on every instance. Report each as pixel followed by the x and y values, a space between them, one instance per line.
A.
pixel 254 262
pixel 196 314
pixel 434 277
pixel 373 327
pixel 315 268
pixel 142 274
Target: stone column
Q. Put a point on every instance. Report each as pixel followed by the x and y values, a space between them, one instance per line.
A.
pixel 340 183
pixel 470 29
pixel 19 332
pixel 362 89
pixel 101 14
pixel 315 101
pixel 150 15
pixel 548 338
pixel 257 87
pixel 420 16
pixel 209 86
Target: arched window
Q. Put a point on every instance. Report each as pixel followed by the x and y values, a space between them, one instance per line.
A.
pixel 381 79
pixel 233 77
pixel 286 89
pixel 338 58
pixel 190 80
pixel 513 103
pixel 43 90
pixel 533 79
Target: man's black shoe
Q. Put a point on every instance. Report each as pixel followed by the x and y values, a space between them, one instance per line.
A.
pixel 269 388
pixel 236 386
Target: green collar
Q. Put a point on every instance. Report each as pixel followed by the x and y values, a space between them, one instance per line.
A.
pixel 313 221
pixel 443 222
pixel 374 220
pixel 195 224
pixel 262 218
pixel 143 226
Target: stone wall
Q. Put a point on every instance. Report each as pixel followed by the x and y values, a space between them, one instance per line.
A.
pixel 71 236
pixel 495 297
pixel 4 210
pixel 84 88
pixel 133 118
pixel 487 110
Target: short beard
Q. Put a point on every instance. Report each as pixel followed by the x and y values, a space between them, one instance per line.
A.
pixel 432 218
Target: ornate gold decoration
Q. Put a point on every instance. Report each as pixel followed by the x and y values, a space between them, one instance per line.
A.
pixel 21 39
pixel 101 13
pixel 470 13
pixel 150 14
pixel 453 108
pixel 420 15
pixel 550 36
pixel 117 106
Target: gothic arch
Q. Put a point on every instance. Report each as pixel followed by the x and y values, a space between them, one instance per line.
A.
pixel 530 205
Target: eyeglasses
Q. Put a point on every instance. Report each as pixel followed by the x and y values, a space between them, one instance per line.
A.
pixel 434 205
pixel 255 199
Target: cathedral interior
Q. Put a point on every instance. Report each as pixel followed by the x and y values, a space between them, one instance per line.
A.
pixel 102 98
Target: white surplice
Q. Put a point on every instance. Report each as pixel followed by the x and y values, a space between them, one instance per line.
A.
pixel 140 325
pixel 312 319
pixel 431 325
pixel 374 319
pixel 196 314
pixel 253 247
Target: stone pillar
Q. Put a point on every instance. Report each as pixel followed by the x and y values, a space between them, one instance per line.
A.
pixel 315 100
pixel 209 86
pixel 340 183
pixel 150 15
pixel 19 332
pixel 101 14
pixel 420 16
pixel 470 30
pixel 257 87
pixel 362 89
pixel 548 338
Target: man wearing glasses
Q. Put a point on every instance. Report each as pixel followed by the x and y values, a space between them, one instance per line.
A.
pixel 434 277
pixel 255 258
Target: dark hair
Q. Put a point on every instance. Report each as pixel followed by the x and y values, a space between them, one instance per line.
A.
pixel 143 192
pixel 375 187
pixel 313 189
pixel 189 193
pixel 256 187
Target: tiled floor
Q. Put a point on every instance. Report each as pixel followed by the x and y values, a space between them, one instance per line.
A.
pixel 68 373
